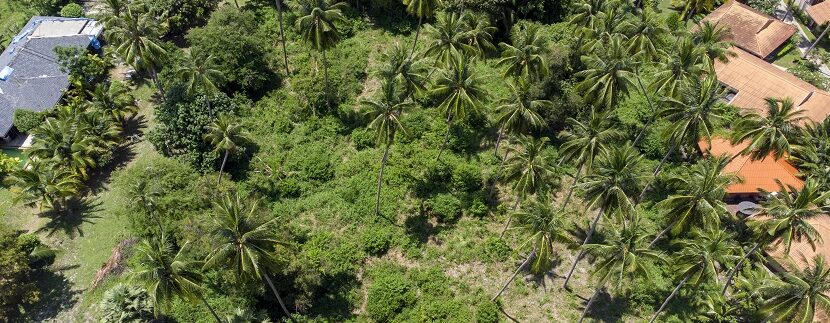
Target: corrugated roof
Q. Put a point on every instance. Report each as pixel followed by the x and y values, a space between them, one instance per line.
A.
pixel 755 79
pixel 820 12
pixel 756 174
pixel 37 82
pixel 751 29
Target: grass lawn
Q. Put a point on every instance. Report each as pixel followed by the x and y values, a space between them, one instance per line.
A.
pixel 787 56
pixel 84 240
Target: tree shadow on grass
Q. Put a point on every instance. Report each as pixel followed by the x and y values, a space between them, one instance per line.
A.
pixel 69 221
pixel 56 296
pixel 121 155
pixel 606 308
pixel 421 227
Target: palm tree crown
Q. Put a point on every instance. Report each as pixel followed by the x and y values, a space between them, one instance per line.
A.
pixel 772 133
pixel 525 57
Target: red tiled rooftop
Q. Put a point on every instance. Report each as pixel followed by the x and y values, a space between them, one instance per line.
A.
pixel 751 29
pixel 756 174
pixel 820 12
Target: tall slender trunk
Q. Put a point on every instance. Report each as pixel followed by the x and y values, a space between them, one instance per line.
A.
pixel 417 33
pixel 380 176
pixel 326 77
pixel 571 190
pixel 282 36
pixel 498 173
pixel 498 141
pixel 222 169
pixel 816 42
pixel 660 235
pixel 660 167
pixel 159 86
pixel 510 217
pixel 515 273
pixel 590 301
pixel 446 137
pixel 276 294
pixel 236 2
pixel 650 106
pixel 581 248
pixel 668 299
pixel 202 297
pixel 738 267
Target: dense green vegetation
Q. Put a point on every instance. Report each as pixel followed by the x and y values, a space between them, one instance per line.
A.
pixel 474 161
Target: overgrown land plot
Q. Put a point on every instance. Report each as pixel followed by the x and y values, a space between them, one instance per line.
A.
pixel 385 161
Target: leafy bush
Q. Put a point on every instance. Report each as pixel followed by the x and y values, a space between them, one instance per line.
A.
pixel 389 293
pixel 7 165
pixel 467 177
pixel 494 250
pixel 362 138
pixel 487 312
pixel 181 15
pixel 124 303
pixel 72 10
pixel 40 255
pixel 26 120
pixel 376 240
pixel 445 207
pixel 17 286
pixel 766 6
pixel 809 72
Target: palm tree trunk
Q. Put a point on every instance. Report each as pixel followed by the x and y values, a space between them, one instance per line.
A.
pixel 380 177
pixel 159 86
pixel 202 297
pixel 446 137
pixel 236 2
pixel 738 267
pixel 276 294
pixel 326 77
pixel 282 37
pixel 590 300
pixel 816 42
pixel 515 273
pixel 571 190
pixel 417 33
pixel 510 217
pixel 660 235
pixel 581 248
pixel 498 173
pixel 650 106
pixel 498 141
pixel 222 169
pixel 668 299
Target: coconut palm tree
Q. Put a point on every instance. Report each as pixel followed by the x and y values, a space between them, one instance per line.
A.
pixel 676 69
pixel 278 3
pixel 145 195
pixel 698 199
pixel 479 33
pixel 611 22
pixel 317 27
pixel 714 41
pixel 622 256
pixel 646 33
pixel 525 57
pixel 421 9
pixel 246 242
pixel 585 16
pixel 113 100
pixel 225 135
pixel 692 7
pixel 64 142
pixel 167 274
pixel 450 34
pixel 609 188
pixel 773 133
pixel 798 294
pixel 691 118
pixel 528 168
pixel 609 74
pixel 540 225
pixel 519 111
pixel 44 185
pixel 200 74
pixel 135 37
pixel 787 215
pixel 699 259
pixel 584 142
pixel 408 73
pixel 386 123
pixel 460 90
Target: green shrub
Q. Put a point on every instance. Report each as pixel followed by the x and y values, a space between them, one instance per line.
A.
pixel 72 10
pixel 487 312
pixel 494 250
pixel 7 164
pixel 362 138
pixel 466 177
pixel 26 120
pixel 445 207
pixel 376 240
pixel 124 303
pixel 389 293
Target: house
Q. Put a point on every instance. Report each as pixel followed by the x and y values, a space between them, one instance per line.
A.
pixel 30 76
pixel 751 30
pixel 756 174
pixel 819 13
pixel 750 80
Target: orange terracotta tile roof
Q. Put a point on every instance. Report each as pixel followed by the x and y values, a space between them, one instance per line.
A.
pixel 755 79
pixel 820 13
pixel 751 29
pixel 756 174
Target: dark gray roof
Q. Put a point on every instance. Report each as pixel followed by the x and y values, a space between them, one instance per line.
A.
pixel 37 83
